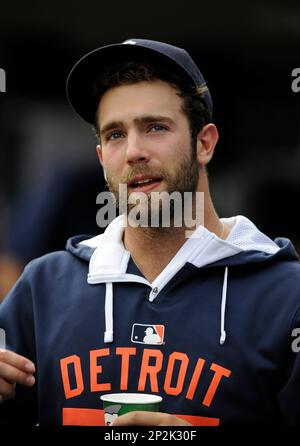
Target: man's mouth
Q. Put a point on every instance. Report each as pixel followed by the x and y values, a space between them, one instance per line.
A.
pixel 144 183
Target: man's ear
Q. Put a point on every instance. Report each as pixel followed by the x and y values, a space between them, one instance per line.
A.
pixel 100 157
pixel 99 153
pixel 206 141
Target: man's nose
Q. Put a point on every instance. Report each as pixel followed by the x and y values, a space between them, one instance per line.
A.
pixel 136 149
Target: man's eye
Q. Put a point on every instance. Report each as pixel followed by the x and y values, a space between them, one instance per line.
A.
pixel 157 128
pixel 113 135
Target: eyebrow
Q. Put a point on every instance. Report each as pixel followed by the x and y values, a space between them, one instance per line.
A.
pixel 143 120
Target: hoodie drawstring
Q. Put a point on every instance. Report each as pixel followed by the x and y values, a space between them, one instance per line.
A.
pixel 109 324
pixel 223 307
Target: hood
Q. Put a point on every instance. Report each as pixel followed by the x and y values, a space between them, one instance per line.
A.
pixel 108 259
pixel 106 253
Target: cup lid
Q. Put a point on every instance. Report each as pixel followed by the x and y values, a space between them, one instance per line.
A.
pixel 131 398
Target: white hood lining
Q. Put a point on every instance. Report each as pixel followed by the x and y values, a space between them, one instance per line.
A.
pixel 109 261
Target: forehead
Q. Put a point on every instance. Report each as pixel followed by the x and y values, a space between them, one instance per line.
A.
pixel 131 101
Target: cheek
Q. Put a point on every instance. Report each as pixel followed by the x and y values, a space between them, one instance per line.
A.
pixel 113 162
pixel 181 148
pixel 114 169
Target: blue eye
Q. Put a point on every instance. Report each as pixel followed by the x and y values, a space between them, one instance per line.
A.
pixel 157 128
pixel 114 135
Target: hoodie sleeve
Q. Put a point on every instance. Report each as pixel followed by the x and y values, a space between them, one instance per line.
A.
pixel 16 321
pixel 289 396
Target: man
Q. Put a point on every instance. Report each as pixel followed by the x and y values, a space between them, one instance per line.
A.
pixel 224 302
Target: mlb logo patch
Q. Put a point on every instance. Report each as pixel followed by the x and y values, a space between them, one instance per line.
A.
pixel 148 334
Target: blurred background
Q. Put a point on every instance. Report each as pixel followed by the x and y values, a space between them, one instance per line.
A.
pixel 49 172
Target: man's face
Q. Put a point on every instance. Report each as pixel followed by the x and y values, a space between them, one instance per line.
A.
pixel 145 140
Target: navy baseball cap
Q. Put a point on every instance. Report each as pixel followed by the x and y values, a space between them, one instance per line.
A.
pixel 81 82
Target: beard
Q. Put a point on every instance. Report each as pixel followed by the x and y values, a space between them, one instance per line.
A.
pixel 183 177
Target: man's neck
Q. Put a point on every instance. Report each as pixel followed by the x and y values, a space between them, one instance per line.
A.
pixel 152 249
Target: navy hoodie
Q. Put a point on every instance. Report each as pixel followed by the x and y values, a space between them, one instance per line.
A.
pixel 212 334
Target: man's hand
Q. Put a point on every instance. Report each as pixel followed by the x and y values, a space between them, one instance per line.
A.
pixel 143 418
pixel 14 369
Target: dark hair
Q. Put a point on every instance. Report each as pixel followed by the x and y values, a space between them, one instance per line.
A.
pixel 127 73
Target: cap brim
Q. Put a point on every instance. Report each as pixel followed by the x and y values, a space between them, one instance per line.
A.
pixel 81 81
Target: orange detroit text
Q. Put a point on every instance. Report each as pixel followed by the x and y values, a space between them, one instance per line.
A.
pixel 2 81
pixel 177 368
